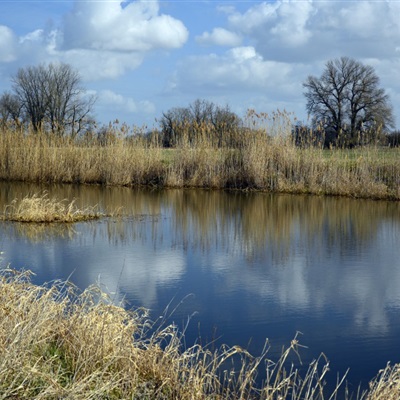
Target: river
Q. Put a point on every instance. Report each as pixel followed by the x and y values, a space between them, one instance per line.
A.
pixel 234 268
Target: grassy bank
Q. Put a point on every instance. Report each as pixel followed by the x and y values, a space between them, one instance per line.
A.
pixel 260 162
pixel 58 343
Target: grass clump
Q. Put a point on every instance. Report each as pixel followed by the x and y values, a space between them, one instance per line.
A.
pixel 42 208
pixel 56 342
pixel 386 385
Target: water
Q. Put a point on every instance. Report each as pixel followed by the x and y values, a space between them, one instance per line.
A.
pixel 236 268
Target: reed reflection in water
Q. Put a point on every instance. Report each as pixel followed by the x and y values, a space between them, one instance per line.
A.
pixel 257 265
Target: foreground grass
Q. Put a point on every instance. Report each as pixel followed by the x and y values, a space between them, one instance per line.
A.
pixel 258 162
pixel 41 208
pixel 58 343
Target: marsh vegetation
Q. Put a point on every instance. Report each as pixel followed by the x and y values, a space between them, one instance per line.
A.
pixel 41 208
pixel 264 157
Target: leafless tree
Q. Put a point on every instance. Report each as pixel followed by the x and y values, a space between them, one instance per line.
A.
pixel 173 124
pixel 199 117
pixel 347 101
pixel 10 110
pixel 53 98
pixel 29 85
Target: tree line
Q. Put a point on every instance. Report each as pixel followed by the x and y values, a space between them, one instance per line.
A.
pixel 346 105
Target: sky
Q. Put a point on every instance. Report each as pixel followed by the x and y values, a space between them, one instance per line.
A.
pixel 141 58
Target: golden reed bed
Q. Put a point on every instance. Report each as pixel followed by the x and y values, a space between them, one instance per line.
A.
pixel 258 162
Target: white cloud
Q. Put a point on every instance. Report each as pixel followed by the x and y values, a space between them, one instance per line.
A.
pixel 365 19
pixel 276 28
pixel 111 27
pixel 238 68
pixel 309 31
pixel 113 101
pixel 101 39
pixel 34 36
pixel 96 65
pixel 291 27
pixel 8 43
pixel 254 17
pixel 219 37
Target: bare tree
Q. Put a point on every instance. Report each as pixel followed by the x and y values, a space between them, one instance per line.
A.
pixel 201 116
pixel 53 98
pixel 347 100
pixel 226 125
pixel 68 107
pixel 174 123
pixel 30 88
pixel 10 110
pixel 201 111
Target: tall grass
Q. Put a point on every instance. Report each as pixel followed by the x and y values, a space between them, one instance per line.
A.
pixel 56 342
pixel 42 208
pixel 264 157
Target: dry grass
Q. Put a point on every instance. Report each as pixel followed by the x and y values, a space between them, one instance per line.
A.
pixel 264 158
pixel 41 208
pixel 386 385
pixel 57 343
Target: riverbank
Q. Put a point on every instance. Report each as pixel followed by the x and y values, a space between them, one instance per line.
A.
pixel 58 343
pixel 260 163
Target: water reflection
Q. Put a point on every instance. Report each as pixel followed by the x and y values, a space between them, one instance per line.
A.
pixel 38 232
pixel 259 265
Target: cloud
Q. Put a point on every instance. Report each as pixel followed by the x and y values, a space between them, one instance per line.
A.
pixel 109 26
pixel 101 39
pixel 34 36
pixel 219 37
pixel 8 43
pixel 291 29
pixel 113 101
pixel 95 65
pixel 277 30
pixel 240 68
pixel 309 31
pixel 143 272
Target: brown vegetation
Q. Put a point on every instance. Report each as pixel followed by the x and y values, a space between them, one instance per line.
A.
pixel 41 208
pixel 57 343
pixel 264 158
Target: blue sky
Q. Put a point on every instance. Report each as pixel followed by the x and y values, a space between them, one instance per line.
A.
pixel 144 57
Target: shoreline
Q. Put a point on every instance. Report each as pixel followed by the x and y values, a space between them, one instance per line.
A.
pixel 260 164
pixel 80 345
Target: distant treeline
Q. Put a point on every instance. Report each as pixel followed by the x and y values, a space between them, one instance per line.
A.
pixel 347 106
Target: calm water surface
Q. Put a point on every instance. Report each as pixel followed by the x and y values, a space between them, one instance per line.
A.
pixel 243 267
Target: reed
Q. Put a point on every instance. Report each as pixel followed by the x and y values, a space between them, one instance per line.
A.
pixel 386 385
pixel 42 208
pixel 57 342
pixel 264 157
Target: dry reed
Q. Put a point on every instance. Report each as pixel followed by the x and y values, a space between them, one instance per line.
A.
pixel 264 157
pixel 386 385
pixel 56 342
pixel 41 208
